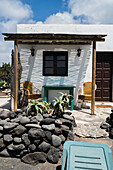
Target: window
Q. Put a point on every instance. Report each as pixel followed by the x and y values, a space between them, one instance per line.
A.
pixel 55 63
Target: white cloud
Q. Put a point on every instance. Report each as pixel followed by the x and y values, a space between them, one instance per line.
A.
pixel 60 18
pixel 95 12
pixel 12 12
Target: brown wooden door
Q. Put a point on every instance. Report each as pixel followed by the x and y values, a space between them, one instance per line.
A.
pixel 104 76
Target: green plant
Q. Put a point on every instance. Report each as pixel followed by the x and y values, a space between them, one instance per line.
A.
pixel 2 84
pixel 5 73
pixel 37 106
pixel 61 103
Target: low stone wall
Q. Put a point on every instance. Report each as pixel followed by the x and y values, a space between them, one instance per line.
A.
pixel 34 139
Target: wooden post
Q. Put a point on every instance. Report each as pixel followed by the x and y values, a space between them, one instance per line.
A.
pixel 93 78
pixel 15 76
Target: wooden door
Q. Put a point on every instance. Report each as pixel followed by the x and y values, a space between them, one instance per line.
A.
pixel 104 76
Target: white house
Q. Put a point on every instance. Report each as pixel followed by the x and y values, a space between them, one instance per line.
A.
pixel 62 40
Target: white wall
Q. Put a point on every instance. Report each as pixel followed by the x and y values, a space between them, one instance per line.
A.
pixel 77 66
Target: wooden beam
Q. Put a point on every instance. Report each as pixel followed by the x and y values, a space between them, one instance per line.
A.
pixel 93 78
pixel 15 76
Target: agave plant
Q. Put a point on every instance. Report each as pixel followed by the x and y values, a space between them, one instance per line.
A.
pixel 61 103
pixel 58 105
pixel 38 106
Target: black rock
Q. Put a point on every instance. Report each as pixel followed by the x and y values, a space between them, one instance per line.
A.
pixel 37 142
pixel 104 125
pixel 4 114
pixel 17 140
pixel 2 146
pixel 19 130
pixel 56 141
pixel 39 117
pixel 53 155
pixel 62 138
pixel 23 153
pixel 70 136
pixel 31 148
pixel 50 127
pixel 25 139
pixel 64 127
pixel 8 139
pixel 12 115
pixel 68 117
pixel 44 147
pixel 47 121
pixel 34 158
pixel 58 131
pixel 24 120
pixel 8 126
pixel 48 135
pixel 36 133
pixel 46 115
pixel 19 147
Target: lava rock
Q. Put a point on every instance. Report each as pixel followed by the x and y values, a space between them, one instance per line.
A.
pixel 46 115
pixel 49 127
pixel 48 135
pixel 12 115
pixel 56 141
pixel 62 138
pixel 31 148
pixel 9 126
pixel 4 153
pixel 2 145
pixel 24 120
pixel 64 127
pixel 1 128
pixel 32 126
pixel 68 117
pixel 17 140
pixel 19 130
pixel 53 155
pixel 47 121
pixel 4 114
pixel 8 138
pixel 39 117
pixel 58 131
pixel 3 122
pixel 25 139
pixel 19 147
pixel 1 135
pixel 58 122
pixel 37 142
pixel 34 158
pixel 70 136
pixel 44 147
pixel 36 133
pixel 104 125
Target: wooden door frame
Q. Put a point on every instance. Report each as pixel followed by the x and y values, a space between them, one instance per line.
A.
pixel 111 97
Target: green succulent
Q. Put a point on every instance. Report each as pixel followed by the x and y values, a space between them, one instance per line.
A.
pixel 38 106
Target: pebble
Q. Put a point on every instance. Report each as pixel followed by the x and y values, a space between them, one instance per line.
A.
pixel 32 126
pixel 24 120
pixel 49 127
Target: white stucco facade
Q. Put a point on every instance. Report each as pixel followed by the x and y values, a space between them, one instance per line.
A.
pixel 79 68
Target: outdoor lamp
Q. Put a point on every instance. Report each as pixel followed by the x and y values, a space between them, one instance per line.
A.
pixel 32 51
pixel 78 52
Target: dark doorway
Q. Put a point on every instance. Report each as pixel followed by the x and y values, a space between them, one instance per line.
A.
pixel 104 76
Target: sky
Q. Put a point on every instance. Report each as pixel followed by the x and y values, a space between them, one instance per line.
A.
pixel 13 12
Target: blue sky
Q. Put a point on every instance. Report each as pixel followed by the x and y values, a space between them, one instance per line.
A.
pixel 13 12
pixel 44 8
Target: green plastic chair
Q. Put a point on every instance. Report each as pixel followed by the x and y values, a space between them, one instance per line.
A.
pixel 86 156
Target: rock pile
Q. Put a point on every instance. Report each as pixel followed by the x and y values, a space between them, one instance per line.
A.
pixel 108 125
pixel 34 139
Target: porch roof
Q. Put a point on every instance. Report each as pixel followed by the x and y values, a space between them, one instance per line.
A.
pixel 50 38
